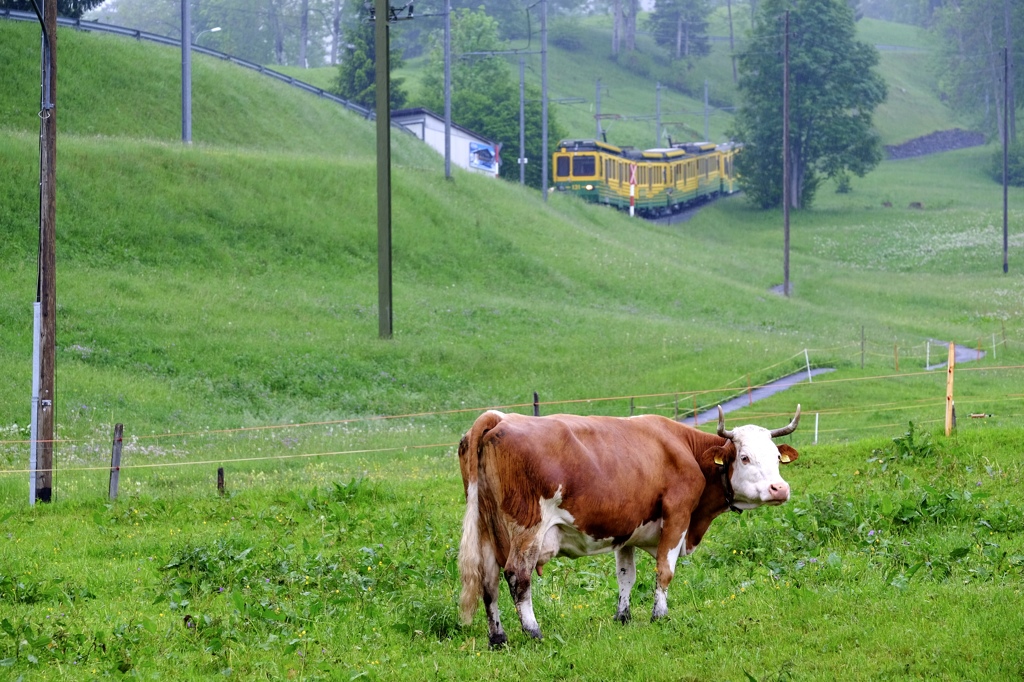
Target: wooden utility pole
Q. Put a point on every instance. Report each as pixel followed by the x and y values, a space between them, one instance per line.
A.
pixel 46 295
pixel 785 159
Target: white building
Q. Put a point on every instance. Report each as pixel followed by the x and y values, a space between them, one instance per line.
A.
pixel 469 150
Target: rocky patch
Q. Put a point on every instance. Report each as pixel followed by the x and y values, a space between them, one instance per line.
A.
pixel 933 143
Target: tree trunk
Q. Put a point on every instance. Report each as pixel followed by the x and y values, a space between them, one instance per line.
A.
pixel 304 34
pixel 634 8
pixel 616 26
pixel 732 43
pixel 679 36
pixel 335 32
pixel 1011 123
pixel 278 29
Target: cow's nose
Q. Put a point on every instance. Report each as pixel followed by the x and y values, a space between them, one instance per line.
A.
pixel 779 491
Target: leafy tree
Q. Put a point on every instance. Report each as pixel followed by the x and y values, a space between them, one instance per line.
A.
pixel 972 35
pixel 833 92
pixel 65 8
pixel 358 71
pixel 682 26
pixel 262 31
pixel 485 96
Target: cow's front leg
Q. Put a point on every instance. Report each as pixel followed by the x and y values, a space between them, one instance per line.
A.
pixel 669 548
pixel 625 573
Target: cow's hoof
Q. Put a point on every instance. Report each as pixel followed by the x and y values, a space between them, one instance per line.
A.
pixel 497 641
pixel 533 633
pixel 623 617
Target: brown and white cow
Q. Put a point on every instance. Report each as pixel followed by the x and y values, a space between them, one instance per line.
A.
pixel 573 486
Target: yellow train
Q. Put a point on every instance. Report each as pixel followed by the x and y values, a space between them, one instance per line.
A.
pixel 662 180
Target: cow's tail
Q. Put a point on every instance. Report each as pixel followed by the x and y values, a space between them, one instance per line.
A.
pixel 470 550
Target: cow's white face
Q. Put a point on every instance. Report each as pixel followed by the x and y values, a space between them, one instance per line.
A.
pixel 755 473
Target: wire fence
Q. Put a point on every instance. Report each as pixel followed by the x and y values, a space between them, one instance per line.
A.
pixel 839 407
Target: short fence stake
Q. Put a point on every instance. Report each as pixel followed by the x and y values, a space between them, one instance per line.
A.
pixel 807 359
pixel 815 428
pixel 630 407
pixel 536 404
pixel 896 355
pixel 675 415
pixel 115 461
pixel 993 346
pixel 949 388
pixel 694 411
pixel 750 395
pixel 220 480
pixel 862 346
pixel 979 348
pixel 927 354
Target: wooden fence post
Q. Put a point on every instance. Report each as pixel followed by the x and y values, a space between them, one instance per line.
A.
pixel 536 404
pixel 949 388
pixel 896 355
pixel 115 460
pixel 220 480
pixel 631 407
pixel 862 346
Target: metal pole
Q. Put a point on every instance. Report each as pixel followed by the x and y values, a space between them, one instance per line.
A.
pixel 544 96
pixel 657 114
pixel 522 120
pixel 448 89
pixel 597 109
pixel 785 160
pixel 1006 146
pixel 383 66
pixel 186 72
pixel 707 134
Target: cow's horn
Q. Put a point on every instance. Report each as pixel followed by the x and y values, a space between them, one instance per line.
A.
pixel 721 425
pixel 789 428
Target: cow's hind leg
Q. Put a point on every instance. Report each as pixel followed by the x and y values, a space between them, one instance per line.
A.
pixel 625 573
pixel 522 562
pixel 491 578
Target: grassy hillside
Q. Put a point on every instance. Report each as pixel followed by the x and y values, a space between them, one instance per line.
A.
pixel 629 83
pixel 220 302
pixel 496 293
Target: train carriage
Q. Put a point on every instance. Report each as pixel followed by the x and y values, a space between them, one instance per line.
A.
pixel 666 179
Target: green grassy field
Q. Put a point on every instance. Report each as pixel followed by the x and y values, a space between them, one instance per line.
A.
pixel 220 302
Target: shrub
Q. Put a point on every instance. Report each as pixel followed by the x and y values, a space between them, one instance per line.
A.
pixel 1014 165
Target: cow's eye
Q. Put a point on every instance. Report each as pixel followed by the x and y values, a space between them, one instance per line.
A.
pixel 745 459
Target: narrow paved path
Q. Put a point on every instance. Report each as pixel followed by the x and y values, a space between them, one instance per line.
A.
pixel 961 354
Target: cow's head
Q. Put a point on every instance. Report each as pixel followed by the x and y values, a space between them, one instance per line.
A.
pixel 752 463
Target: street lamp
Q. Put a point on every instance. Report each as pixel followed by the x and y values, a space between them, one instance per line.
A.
pixel 186 69
pixel 215 29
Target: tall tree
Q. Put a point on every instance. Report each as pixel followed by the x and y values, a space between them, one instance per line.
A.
pixel 833 92
pixel 973 35
pixel 262 31
pixel 357 73
pixel 485 96
pixel 65 8
pixel 682 26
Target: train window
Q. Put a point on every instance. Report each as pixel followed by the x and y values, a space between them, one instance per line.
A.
pixel 583 165
pixel 562 166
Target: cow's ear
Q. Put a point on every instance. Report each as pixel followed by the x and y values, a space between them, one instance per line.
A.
pixel 787 454
pixel 723 455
